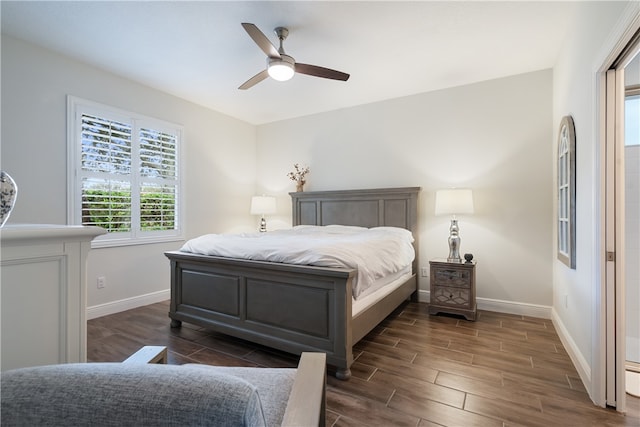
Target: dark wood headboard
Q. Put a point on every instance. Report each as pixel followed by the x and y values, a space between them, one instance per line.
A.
pixel 393 207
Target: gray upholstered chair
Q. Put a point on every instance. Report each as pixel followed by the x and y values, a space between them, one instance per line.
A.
pixel 151 394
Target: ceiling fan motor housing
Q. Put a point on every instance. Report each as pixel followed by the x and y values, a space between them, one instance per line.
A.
pixel 281 32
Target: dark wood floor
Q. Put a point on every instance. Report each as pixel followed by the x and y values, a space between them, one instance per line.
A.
pixel 412 370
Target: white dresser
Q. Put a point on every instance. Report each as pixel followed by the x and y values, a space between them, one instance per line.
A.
pixel 43 294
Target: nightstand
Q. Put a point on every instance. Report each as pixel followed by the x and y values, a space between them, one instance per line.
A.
pixel 453 288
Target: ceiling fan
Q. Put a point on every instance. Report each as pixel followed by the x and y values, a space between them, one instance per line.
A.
pixel 281 66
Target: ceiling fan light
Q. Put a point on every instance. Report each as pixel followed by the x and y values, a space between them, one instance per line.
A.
pixel 280 69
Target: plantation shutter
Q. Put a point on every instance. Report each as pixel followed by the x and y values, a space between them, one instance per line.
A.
pixel 158 180
pixel 106 173
pixel 124 174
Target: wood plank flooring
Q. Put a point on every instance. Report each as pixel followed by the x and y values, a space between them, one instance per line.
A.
pixel 412 370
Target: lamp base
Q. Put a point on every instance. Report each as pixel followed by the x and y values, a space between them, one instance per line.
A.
pixel 263 225
pixel 454 242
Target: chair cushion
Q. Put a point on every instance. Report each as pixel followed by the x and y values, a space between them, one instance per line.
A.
pixel 115 394
pixel 273 385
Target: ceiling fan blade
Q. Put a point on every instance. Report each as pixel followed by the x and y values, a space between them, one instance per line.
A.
pixel 261 40
pixel 254 80
pixel 327 73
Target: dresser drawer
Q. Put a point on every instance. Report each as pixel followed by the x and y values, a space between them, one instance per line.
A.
pixel 458 297
pixel 451 277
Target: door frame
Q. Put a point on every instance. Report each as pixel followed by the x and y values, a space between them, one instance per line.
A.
pixel 608 345
pixel 615 328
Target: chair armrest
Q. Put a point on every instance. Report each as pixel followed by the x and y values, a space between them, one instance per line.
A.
pixel 149 354
pixel 307 401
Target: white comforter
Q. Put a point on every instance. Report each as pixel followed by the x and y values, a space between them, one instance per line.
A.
pixel 374 252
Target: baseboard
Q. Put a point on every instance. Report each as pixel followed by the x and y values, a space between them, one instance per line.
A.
pixel 127 304
pixel 510 307
pixel 519 308
pixel 581 364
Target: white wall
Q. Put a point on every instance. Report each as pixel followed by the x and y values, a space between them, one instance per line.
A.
pixel 219 160
pixel 493 137
pixel 574 93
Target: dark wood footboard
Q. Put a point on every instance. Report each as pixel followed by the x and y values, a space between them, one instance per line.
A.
pixel 288 307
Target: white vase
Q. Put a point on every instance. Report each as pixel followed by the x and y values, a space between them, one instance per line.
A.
pixel 8 194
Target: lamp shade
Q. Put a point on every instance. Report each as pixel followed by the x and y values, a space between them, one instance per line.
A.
pixel 454 201
pixel 262 205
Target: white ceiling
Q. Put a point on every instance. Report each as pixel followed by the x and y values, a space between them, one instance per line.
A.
pixel 199 51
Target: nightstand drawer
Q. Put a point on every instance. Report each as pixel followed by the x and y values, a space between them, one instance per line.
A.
pixel 452 296
pixel 451 277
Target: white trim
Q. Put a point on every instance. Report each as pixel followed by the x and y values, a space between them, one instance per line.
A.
pixel 619 37
pixel 501 306
pixel 110 243
pixel 511 307
pixel 127 304
pixel 579 361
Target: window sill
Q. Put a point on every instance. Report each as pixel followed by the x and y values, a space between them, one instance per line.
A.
pixel 112 243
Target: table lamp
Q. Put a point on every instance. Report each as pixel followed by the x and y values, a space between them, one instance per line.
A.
pixel 453 202
pixel 263 205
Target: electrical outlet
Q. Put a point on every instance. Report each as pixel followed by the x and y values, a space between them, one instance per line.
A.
pixel 424 272
pixel 566 301
pixel 102 281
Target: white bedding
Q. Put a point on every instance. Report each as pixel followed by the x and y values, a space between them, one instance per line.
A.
pixel 375 252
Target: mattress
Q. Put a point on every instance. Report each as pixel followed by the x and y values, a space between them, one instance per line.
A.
pixel 379 290
pixel 375 253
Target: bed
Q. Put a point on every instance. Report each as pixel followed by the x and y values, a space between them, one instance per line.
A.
pixel 296 308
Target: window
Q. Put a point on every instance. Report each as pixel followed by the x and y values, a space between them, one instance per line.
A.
pixel 123 174
pixel 566 192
